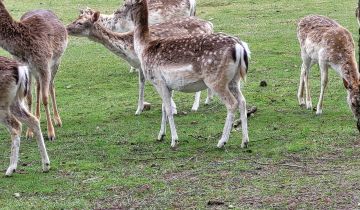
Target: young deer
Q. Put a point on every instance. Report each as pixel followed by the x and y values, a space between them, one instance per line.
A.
pixel 14 87
pixel 122 44
pixel 191 64
pixel 39 40
pixel 327 43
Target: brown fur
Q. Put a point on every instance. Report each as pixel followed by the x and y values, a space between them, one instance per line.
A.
pixel 39 40
pixel 88 25
pixel 325 41
pixel 13 90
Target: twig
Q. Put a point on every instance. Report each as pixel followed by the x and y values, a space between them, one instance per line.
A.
pixel 144 160
pixel 281 164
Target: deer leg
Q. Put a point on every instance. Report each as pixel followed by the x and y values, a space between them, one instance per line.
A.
pixel 38 101
pixel 209 97
pixel 306 68
pixel 32 122
pixel 231 104
pixel 301 88
pixel 57 118
pixel 166 97
pixel 29 133
pixel 54 70
pixel 44 86
pixel 173 105
pixel 141 93
pixel 235 90
pixel 162 132
pixel 14 128
pixel 196 104
pixel 324 80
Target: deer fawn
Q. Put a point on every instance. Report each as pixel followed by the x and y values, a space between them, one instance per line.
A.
pixel 191 64
pixel 122 44
pixel 327 43
pixel 14 87
pixel 39 40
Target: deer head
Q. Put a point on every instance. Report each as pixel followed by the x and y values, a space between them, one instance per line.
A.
pixel 83 24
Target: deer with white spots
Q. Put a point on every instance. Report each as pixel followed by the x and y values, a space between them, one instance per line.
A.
pixel 159 11
pixel 191 64
pixel 14 87
pixel 122 44
pixel 39 39
pixel 327 43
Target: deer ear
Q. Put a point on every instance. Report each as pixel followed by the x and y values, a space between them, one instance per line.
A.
pixel 346 84
pixel 81 11
pixel 96 16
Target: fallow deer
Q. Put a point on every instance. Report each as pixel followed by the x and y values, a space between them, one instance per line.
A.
pixel 190 64
pixel 159 11
pixel 39 39
pixel 14 87
pixel 89 25
pixel 327 43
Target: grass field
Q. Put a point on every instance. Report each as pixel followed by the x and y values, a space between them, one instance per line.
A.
pixel 106 157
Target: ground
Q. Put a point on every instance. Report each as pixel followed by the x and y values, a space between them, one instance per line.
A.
pixel 106 157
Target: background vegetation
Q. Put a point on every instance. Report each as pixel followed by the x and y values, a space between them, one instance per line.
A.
pixel 105 157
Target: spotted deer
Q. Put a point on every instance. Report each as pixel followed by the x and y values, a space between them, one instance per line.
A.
pixel 122 44
pixel 159 11
pixel 327 43
pixel 14 87
pixel 39 39
pixel 190 64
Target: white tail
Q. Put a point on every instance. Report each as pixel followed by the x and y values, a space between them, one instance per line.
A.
pixel 190 64
pixel 14 89
pixel 122 44
pixel 24 81
pixel 39 39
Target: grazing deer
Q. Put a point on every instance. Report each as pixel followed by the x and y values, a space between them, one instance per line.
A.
pixel 39 40
pixel 14 87
pixel 191 64
pixel 327 43
pixel 122 44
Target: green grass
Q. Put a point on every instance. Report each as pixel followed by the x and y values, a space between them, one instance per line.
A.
pixel 105 157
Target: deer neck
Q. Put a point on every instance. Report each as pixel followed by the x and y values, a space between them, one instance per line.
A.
pixel 141 33
pixel 351 72
pixel 10 30
pixel 120 44
pixel 107 21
